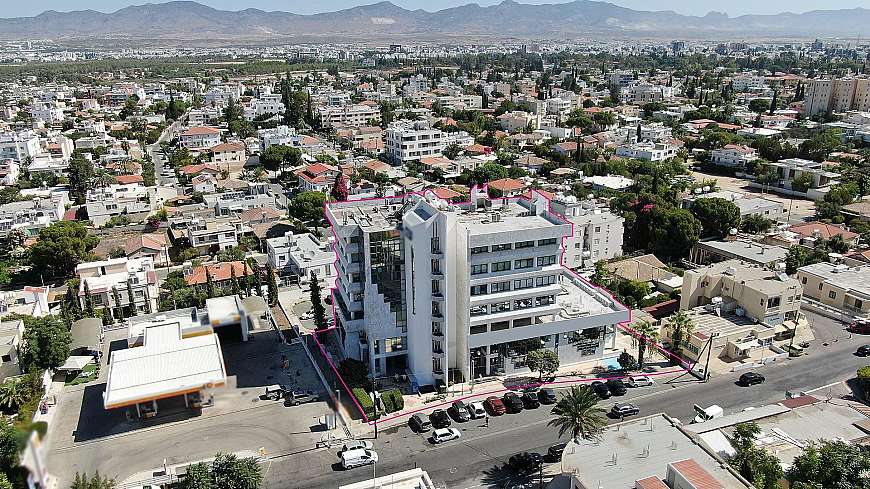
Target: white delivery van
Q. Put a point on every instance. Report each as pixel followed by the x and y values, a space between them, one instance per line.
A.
pixel 358 457
pixel 708 413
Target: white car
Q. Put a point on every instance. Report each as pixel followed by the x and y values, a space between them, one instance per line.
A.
pixel 358 457
pixel 357 445
pixel 640 381
pixel 306 316
pixel 476 410
pixel 442 435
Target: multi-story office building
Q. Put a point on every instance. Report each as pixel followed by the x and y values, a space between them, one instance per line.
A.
pixel 410 141
pixel 598 233
pixel 827 95
pixel 447 292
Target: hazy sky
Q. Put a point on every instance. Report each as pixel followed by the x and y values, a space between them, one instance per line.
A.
pixel 12 8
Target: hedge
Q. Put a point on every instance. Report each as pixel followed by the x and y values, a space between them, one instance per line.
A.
pixel 365 401
pixel 398 400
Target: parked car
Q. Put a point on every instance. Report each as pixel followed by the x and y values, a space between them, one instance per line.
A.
pixel 494 406
pixel 439 419
pixel 476 410
pixel 525 462
pixel 555 451
pixel 276 391
pixel 419 424
pixel 601 389
pixel 445 434
pixel 547 395
pixel 530 400
pixel 296 398
pixel 623 409
pixel 459 411
pixel 512 402
pixel 750 378
pixel 357 458
pixel 863 351
pixel 861 326
pixel 616 387
pixel 640 381
pixel 357 445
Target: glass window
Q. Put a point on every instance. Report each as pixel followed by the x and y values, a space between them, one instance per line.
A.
pixel 523 303
pixel 545 280
pixel 518 323
pixel 500 325
pixel 478 289
pixel 480 328
pixel 524 244
pixel 500 287
pixel 479 249
pixel 478 310
pixel 501 266
pixel 546 260
pixel 501 247
pixel 501 306
pixel 547 242
pixel 524 283
pixel 545 300
pixel 478 269
pixel 394 344
pixel 524 263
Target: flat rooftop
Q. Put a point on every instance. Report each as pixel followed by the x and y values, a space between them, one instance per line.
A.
pixel 747 250
pixel 855 279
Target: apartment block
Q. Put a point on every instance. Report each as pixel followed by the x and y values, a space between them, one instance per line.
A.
pixel 447 292
pixel 647 150
pixel 838 286
pixel 410 141
pixel 110 284
pixel 350 115
pixel 106 202
pixel 598 233
pixel 827 95
pixel 31 215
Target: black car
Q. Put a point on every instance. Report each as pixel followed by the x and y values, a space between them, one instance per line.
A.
pixel 616 387
pixel 512 402
pixel 624 409
pixel 526 462
pixel 555 451
pixel 751 378
pixel 419 424
pixel 863 351
pixel 459 411
pixel 439 419
pixel 601 389
pixel 530 400
pixel 547 395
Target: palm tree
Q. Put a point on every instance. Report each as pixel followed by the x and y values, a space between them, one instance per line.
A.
pixel 577 412
pixel 647 333
pixel 104 179
pixel 682 327
pixel 13 393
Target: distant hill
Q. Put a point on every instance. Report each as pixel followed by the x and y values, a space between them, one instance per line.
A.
pixel 509 19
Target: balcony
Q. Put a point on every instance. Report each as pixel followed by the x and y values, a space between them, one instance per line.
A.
pixel 437 333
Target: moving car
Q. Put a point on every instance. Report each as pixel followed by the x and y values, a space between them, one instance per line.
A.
pixel 555 451
pixel 547 395
pixel 616 387
pixel 494 406
pixel 530 400
pixel 296 398
pixel 445 434
pixel 863 351
pixel 419 424
pixel 512 402
pixel 640 381
pixel 750 378
pixel 439 419
pixel 525 462
pixel 357 445
pixel 357 458
pixel 459 411
pixel 861 326
pixel 623 409
pixel 601 389
pixel 476 410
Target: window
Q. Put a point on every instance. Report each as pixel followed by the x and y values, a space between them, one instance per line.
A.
pixel 479 310
pixel 355 257
pixel 858 303
pixel 820 286
pixel 479 249
pixel 524 244
pixel 832 295
pixel 436 287
pixel 436 266
pixel 500 287
pixel 480 328
pixel 524 263
pixel 501 307
pixel 773 302
pixel 543 261
pixel 355 277
pixel 804 280
pixel 500 325
pixel 545 280
pixel 377 347
pixel 501 247
pixel 523 303
pixel 394 344
pixel 478 289
pixel 478 269
pixel 518 323
pixel 547 242
pixel 545 300
pixel 524 283
pixel 501 266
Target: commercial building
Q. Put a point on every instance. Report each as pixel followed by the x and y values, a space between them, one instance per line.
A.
pixel 119 282
pixel 706 252
pixel 410 141
pixel 838 286
pixel 295 257
pixel 447 292
pixel 598 233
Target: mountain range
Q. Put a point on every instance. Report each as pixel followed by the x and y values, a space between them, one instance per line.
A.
pixel 180 20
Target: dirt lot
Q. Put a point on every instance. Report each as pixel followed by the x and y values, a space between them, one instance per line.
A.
pixel 802 210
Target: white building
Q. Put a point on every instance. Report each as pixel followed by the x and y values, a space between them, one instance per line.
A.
pixel 598 233
pixel 103 203
pixel 200 138
pixel 447 292
pixel 647 150
pixel 733 155
pixel 350 115
pixel 32 215
pixel 110 283
pixel 266 104
pixel 283 135
pixel 300 256
pixel 17 146
pixel 410 141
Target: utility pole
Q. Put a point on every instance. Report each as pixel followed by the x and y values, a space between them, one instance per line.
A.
pixel 707 363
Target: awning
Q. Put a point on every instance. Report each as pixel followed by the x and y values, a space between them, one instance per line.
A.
pixel 76 363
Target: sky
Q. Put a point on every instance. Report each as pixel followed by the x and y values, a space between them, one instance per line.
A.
pixel 689 7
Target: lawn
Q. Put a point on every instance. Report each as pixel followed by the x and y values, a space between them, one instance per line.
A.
pixel 88 374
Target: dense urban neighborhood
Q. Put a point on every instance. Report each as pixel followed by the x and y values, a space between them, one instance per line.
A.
pixel 595 263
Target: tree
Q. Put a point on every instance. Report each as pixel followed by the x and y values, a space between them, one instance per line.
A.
pixel 61 247
pixel 317 302
pixel 681 327
pixel 46 343
pixel 230 472
pixel 117 298
pixel 210 288
pixel 81 481
pixel 674 233
pixel 834 464
pixel 89 302
pixel 13 393
pixel 4 481
pixel 626 361
pixel 488 172
pixel 308 206
pixel 273 158
pixel 271 285
pixel 647 333
pixel 81 173
pixel 602 276
pixel 339 189
pixel 756 224
pixel 234 280
pixel 543 361
pixel 198 476
pixel 759 105
pixel 754 464
pixel 577 413
pixel 716 215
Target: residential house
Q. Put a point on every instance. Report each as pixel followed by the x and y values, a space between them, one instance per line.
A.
pixel 109 284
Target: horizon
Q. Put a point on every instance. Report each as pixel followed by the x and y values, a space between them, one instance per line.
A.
pixel 697 8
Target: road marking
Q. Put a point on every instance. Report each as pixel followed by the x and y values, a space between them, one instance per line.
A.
pixel 832 384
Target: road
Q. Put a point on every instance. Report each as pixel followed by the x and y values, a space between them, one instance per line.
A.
pixel 477 459
pixel 157 155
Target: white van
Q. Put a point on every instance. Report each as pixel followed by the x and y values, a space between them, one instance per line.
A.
pixel 708 413
pixel 358 457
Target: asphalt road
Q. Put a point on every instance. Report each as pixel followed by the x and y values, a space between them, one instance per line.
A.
pixel 478 458
pixel 157 155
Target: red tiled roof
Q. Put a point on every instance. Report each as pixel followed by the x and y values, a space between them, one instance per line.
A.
pixel 529 193
pixel 126 179
pixel 219 272
pixel 445 193
pixel 651 482
pixel 260 213
pixel 507 185
pixel 154 241
pixel 696 475
pixel 228 147
pixel 200 168
pixel 826 231
pixel 200 131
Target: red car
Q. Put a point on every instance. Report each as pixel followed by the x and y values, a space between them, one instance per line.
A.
pixel 494 406
pixel 861 326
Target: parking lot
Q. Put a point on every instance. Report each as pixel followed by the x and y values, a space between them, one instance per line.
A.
pixel 85 437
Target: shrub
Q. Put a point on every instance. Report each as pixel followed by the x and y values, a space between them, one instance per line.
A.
pixel 398 400
pixel 389 405
pixel 355 373
pixel 365 401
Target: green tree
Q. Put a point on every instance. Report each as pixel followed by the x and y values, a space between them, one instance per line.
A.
pixel 10 447
pixel 13 393
pixel 577 413
pixel 198 476
pixel 131 298
pixel 82 481
pixel 4 481
pixel 234 280
pixel 488 172
pixel 230 472
pixel 317 307
pixel 754 464
pixel 210 288
pixel 756 224
pixel 271 285
pixel 626 361
pixel 308 206
pixel 681 328
pixel 46 343
pixel 832 464
pixel 81 174
pixel 716 215
pixel 543 360
pixel 602 276
pixel 116 297
pixel 674 233
pixel 61 247
pixel 648 333
pixel 759 105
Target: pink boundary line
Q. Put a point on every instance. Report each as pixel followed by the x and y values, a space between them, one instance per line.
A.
pixel 684 365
